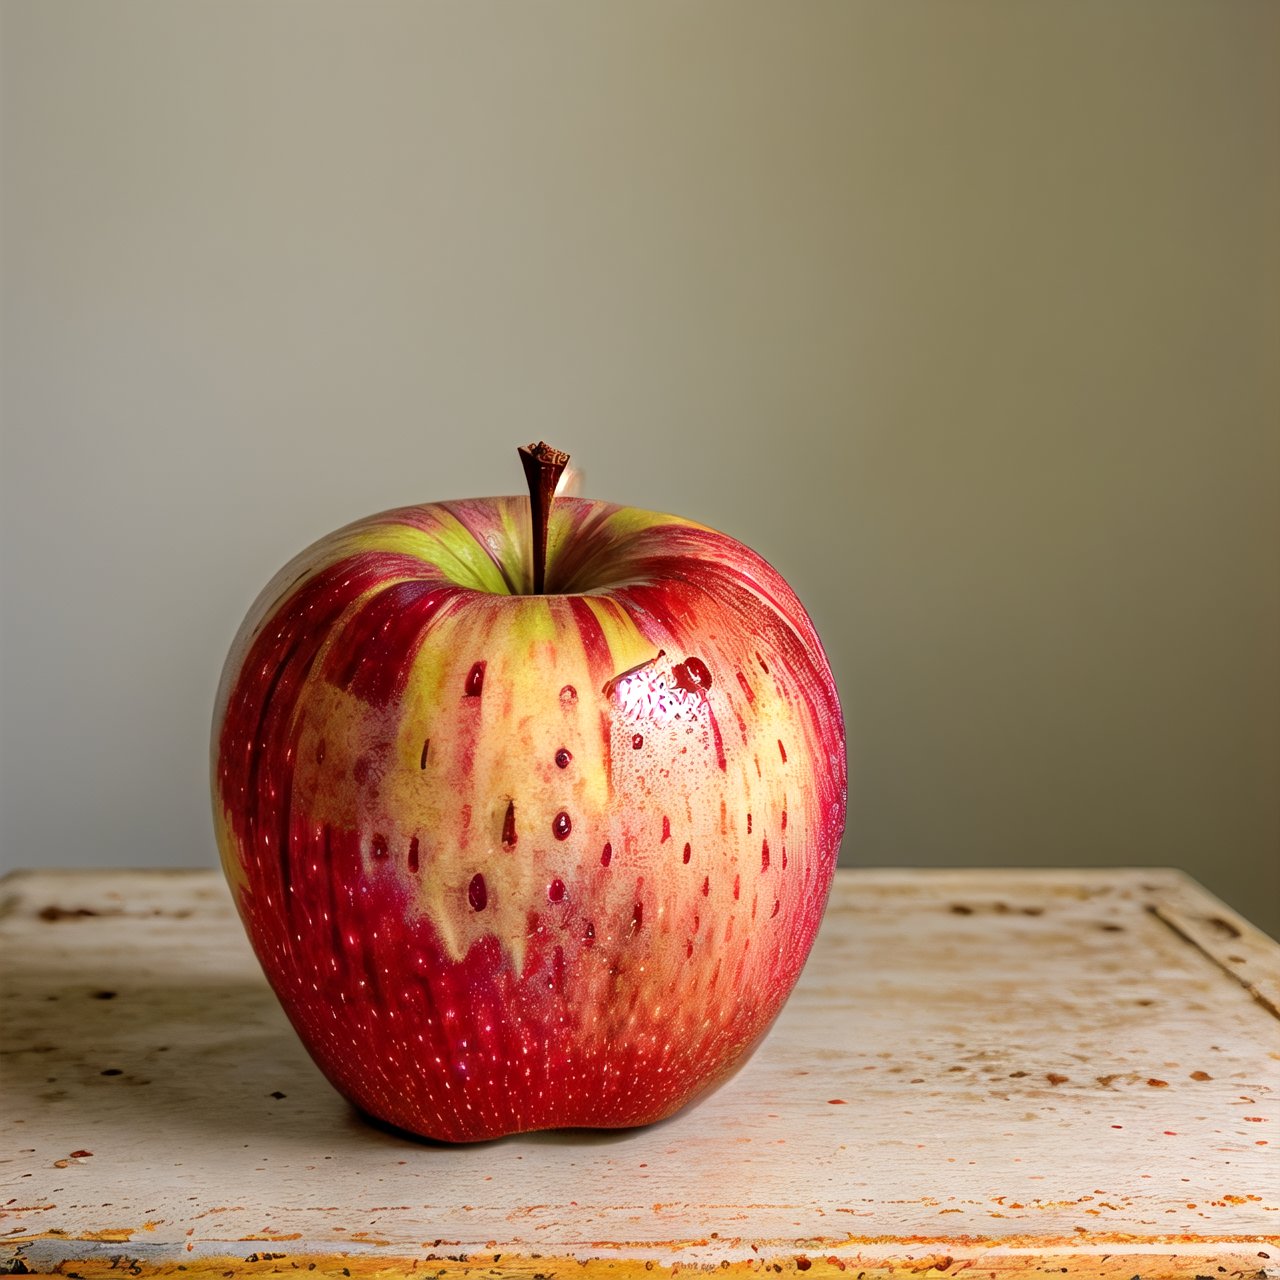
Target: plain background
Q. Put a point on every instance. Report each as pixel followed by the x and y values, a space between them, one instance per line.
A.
pixel 966 316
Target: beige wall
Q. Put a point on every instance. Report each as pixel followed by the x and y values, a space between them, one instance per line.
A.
pixel 967 316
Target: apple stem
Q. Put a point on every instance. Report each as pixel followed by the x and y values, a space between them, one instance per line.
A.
pixel 543 466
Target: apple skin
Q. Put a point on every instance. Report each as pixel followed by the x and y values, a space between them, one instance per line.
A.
pixel 516 861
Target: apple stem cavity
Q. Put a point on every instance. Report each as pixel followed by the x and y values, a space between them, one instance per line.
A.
pixel 543 467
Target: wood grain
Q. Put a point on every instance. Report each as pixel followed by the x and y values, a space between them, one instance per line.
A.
pixel 994 1073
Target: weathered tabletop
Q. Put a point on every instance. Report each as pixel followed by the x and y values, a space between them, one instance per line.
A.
pixel 989 1072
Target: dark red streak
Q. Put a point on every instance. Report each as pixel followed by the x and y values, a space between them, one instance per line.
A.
pixel 599 659
pixel 716 739
pixel 259 728
pixel 372 655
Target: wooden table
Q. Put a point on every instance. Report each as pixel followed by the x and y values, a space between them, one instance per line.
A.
pixel 992 1073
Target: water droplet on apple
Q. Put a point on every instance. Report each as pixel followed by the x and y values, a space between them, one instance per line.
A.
pixel 688 853
pixel 637 740
pixel 589 935
pixel 561 826
pixel 478 892
pixel 426 746
pixel 568 694
pixel 379 846
pixel 637 917
pixel 413 854
pixel 475 680
pixel 555 891
pixel 563 756
pixel 606 854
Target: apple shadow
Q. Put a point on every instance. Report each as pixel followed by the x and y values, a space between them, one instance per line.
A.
pixel 184 1060
pixel 178 1060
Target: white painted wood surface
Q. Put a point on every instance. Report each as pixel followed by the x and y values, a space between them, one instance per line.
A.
pixel 988 1072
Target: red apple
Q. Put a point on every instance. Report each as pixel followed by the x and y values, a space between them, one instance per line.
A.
pixel 520 854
